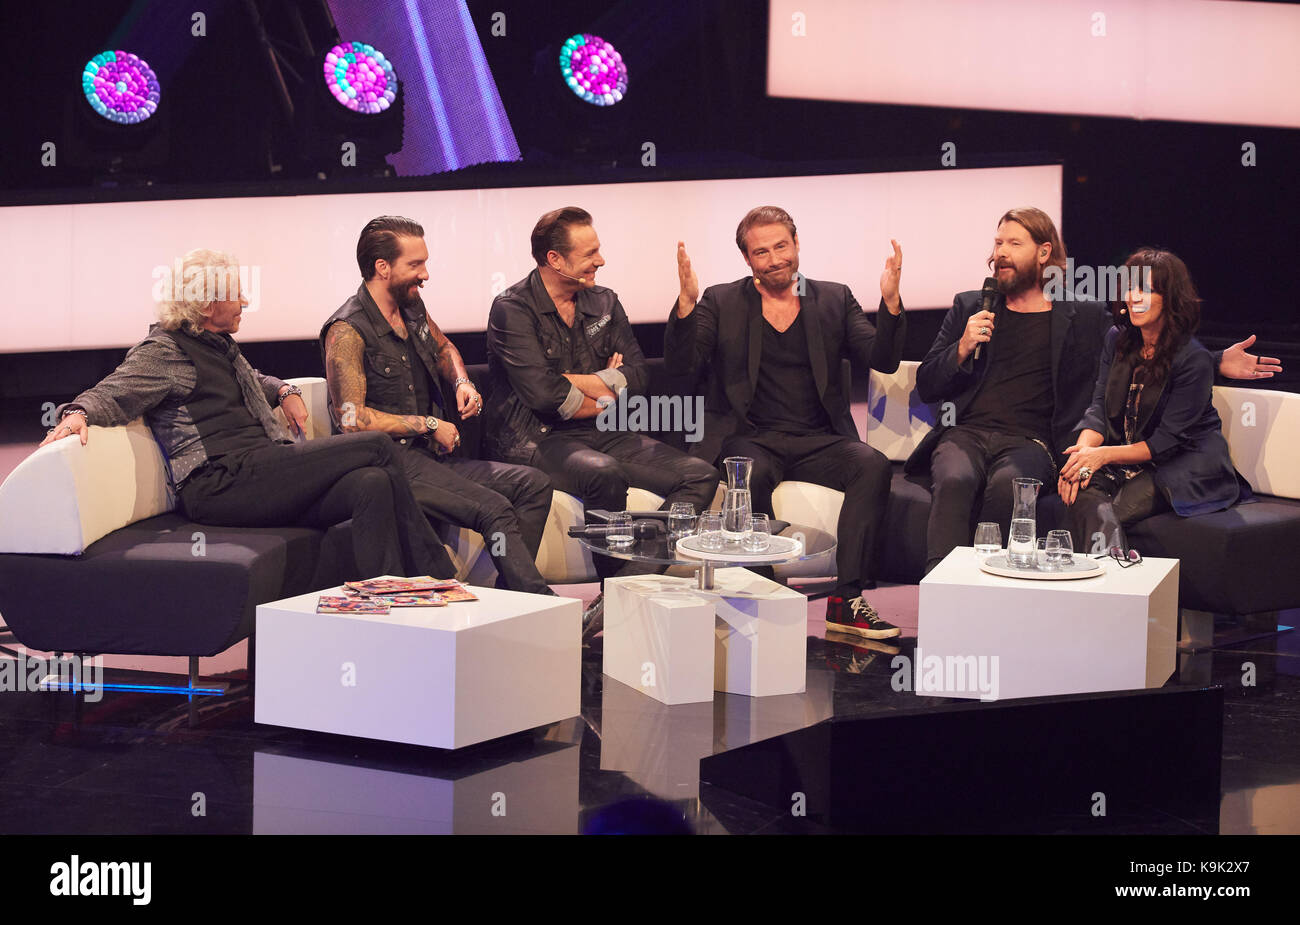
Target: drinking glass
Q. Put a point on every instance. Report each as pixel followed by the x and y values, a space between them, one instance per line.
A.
pixel 759 535
pixel 681 518
pixel 1060 549
pixel 988 541
pixel 710 530
pixel 1041 561
pixel 620 531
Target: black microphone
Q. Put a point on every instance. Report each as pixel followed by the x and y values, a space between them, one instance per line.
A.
pixel 988 293
pixel 641 530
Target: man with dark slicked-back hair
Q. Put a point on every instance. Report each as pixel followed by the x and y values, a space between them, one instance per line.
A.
pixel 384 358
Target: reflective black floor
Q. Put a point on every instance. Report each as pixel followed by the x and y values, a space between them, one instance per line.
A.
pixel 151 763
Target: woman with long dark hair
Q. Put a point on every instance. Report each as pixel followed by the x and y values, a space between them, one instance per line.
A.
pixel 1151 441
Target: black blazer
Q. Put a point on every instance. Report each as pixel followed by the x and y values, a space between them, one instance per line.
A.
pixel 1078 329
pixel 1178 422
pixel 721 343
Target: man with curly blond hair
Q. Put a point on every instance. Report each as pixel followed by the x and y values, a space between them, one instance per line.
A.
pixel 230 459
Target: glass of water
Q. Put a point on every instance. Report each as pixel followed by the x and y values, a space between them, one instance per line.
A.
pixel 761 532
pixel 1060 549
pixel 988 541
pixel 681 518
pixel 710 530
pixel 620 531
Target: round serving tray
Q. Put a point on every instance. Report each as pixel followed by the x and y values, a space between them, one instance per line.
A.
pixel 779 549
pixel 1082 567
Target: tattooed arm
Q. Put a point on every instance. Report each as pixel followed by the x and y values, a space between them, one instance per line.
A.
pixel 451 367
pixel 346 375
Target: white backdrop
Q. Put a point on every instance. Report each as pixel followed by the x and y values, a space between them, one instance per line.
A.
pixel 1190 60
pixel 82 276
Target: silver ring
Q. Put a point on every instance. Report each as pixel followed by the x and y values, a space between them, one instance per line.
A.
pixel 984 331
pixel 1085 473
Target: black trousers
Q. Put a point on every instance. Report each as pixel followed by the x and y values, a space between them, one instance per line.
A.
pixel 838 462
pixel 506 504
pixel 971 471
pixel 320 483
pixel 1100 513
pixel 599 467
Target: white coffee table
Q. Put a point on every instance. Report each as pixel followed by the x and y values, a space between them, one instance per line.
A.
pixel 728 629
pixel 440 676
pixel 1037 638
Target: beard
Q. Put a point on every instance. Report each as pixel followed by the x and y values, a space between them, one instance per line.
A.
pixel 1019 281
pixel 403 295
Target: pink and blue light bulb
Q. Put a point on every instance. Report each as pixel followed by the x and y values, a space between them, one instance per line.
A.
pixel 360 78
pixel 593 69
pixel 121 87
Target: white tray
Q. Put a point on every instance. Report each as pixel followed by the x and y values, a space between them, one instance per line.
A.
pixel 1082 567
pixel 779 549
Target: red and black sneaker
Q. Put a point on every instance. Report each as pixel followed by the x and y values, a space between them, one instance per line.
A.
pixel 857 616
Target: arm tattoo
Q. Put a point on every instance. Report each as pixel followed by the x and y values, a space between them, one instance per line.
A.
pixel 450 365
pixel 345 374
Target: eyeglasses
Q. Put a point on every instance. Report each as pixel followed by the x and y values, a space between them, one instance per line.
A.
pixel 1125 559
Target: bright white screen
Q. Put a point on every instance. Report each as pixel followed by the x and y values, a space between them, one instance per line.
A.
pixel 1188 60
pixel 81 276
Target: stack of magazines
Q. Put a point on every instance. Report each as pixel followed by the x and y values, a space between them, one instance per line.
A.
pixel 377 595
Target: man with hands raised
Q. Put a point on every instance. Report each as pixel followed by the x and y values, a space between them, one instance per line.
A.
pixel 767 350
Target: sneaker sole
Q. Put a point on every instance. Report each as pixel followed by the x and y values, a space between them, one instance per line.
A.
pixel 861 631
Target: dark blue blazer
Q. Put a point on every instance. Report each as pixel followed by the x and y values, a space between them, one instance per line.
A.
pixel 1178 422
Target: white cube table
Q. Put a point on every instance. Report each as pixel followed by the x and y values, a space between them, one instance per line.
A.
pixel 676 643
pixel 441 676
pixel 1115 632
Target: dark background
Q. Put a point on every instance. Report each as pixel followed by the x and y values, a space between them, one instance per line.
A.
pixel 697 91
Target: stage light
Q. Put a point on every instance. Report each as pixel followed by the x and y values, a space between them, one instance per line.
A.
pixel 360 78
pixel 593 69
pixel 121 87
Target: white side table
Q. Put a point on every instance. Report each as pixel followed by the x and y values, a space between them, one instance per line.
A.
pixel 440 676
pixel 678 644
pixel 1036 638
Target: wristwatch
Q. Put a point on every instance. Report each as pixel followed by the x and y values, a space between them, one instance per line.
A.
pixel 430 424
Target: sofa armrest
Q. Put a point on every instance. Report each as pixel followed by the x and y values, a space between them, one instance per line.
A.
pixel 316 395
pixel 65 496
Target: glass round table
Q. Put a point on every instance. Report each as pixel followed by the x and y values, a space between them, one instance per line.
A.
pixel 793 544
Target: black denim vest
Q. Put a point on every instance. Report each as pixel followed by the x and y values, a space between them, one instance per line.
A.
pixel 390 380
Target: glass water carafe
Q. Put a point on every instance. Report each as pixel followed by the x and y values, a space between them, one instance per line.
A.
pixel 1022 544
pixel 736 510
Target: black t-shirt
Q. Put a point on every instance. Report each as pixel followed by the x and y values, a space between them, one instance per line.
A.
pixel 1016 397
pixel 785 396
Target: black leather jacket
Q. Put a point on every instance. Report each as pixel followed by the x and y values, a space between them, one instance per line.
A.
pixel 530 348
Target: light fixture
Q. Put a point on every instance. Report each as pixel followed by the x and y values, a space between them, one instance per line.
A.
pixel 593 69
pixel 360 77
pixel 121 87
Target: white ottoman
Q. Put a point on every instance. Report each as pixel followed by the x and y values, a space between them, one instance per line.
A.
pixel 987 637
pixel 678 644
pixel 441 676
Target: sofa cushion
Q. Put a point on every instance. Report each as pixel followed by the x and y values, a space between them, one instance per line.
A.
pixel 145 590
pixel 1239 561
